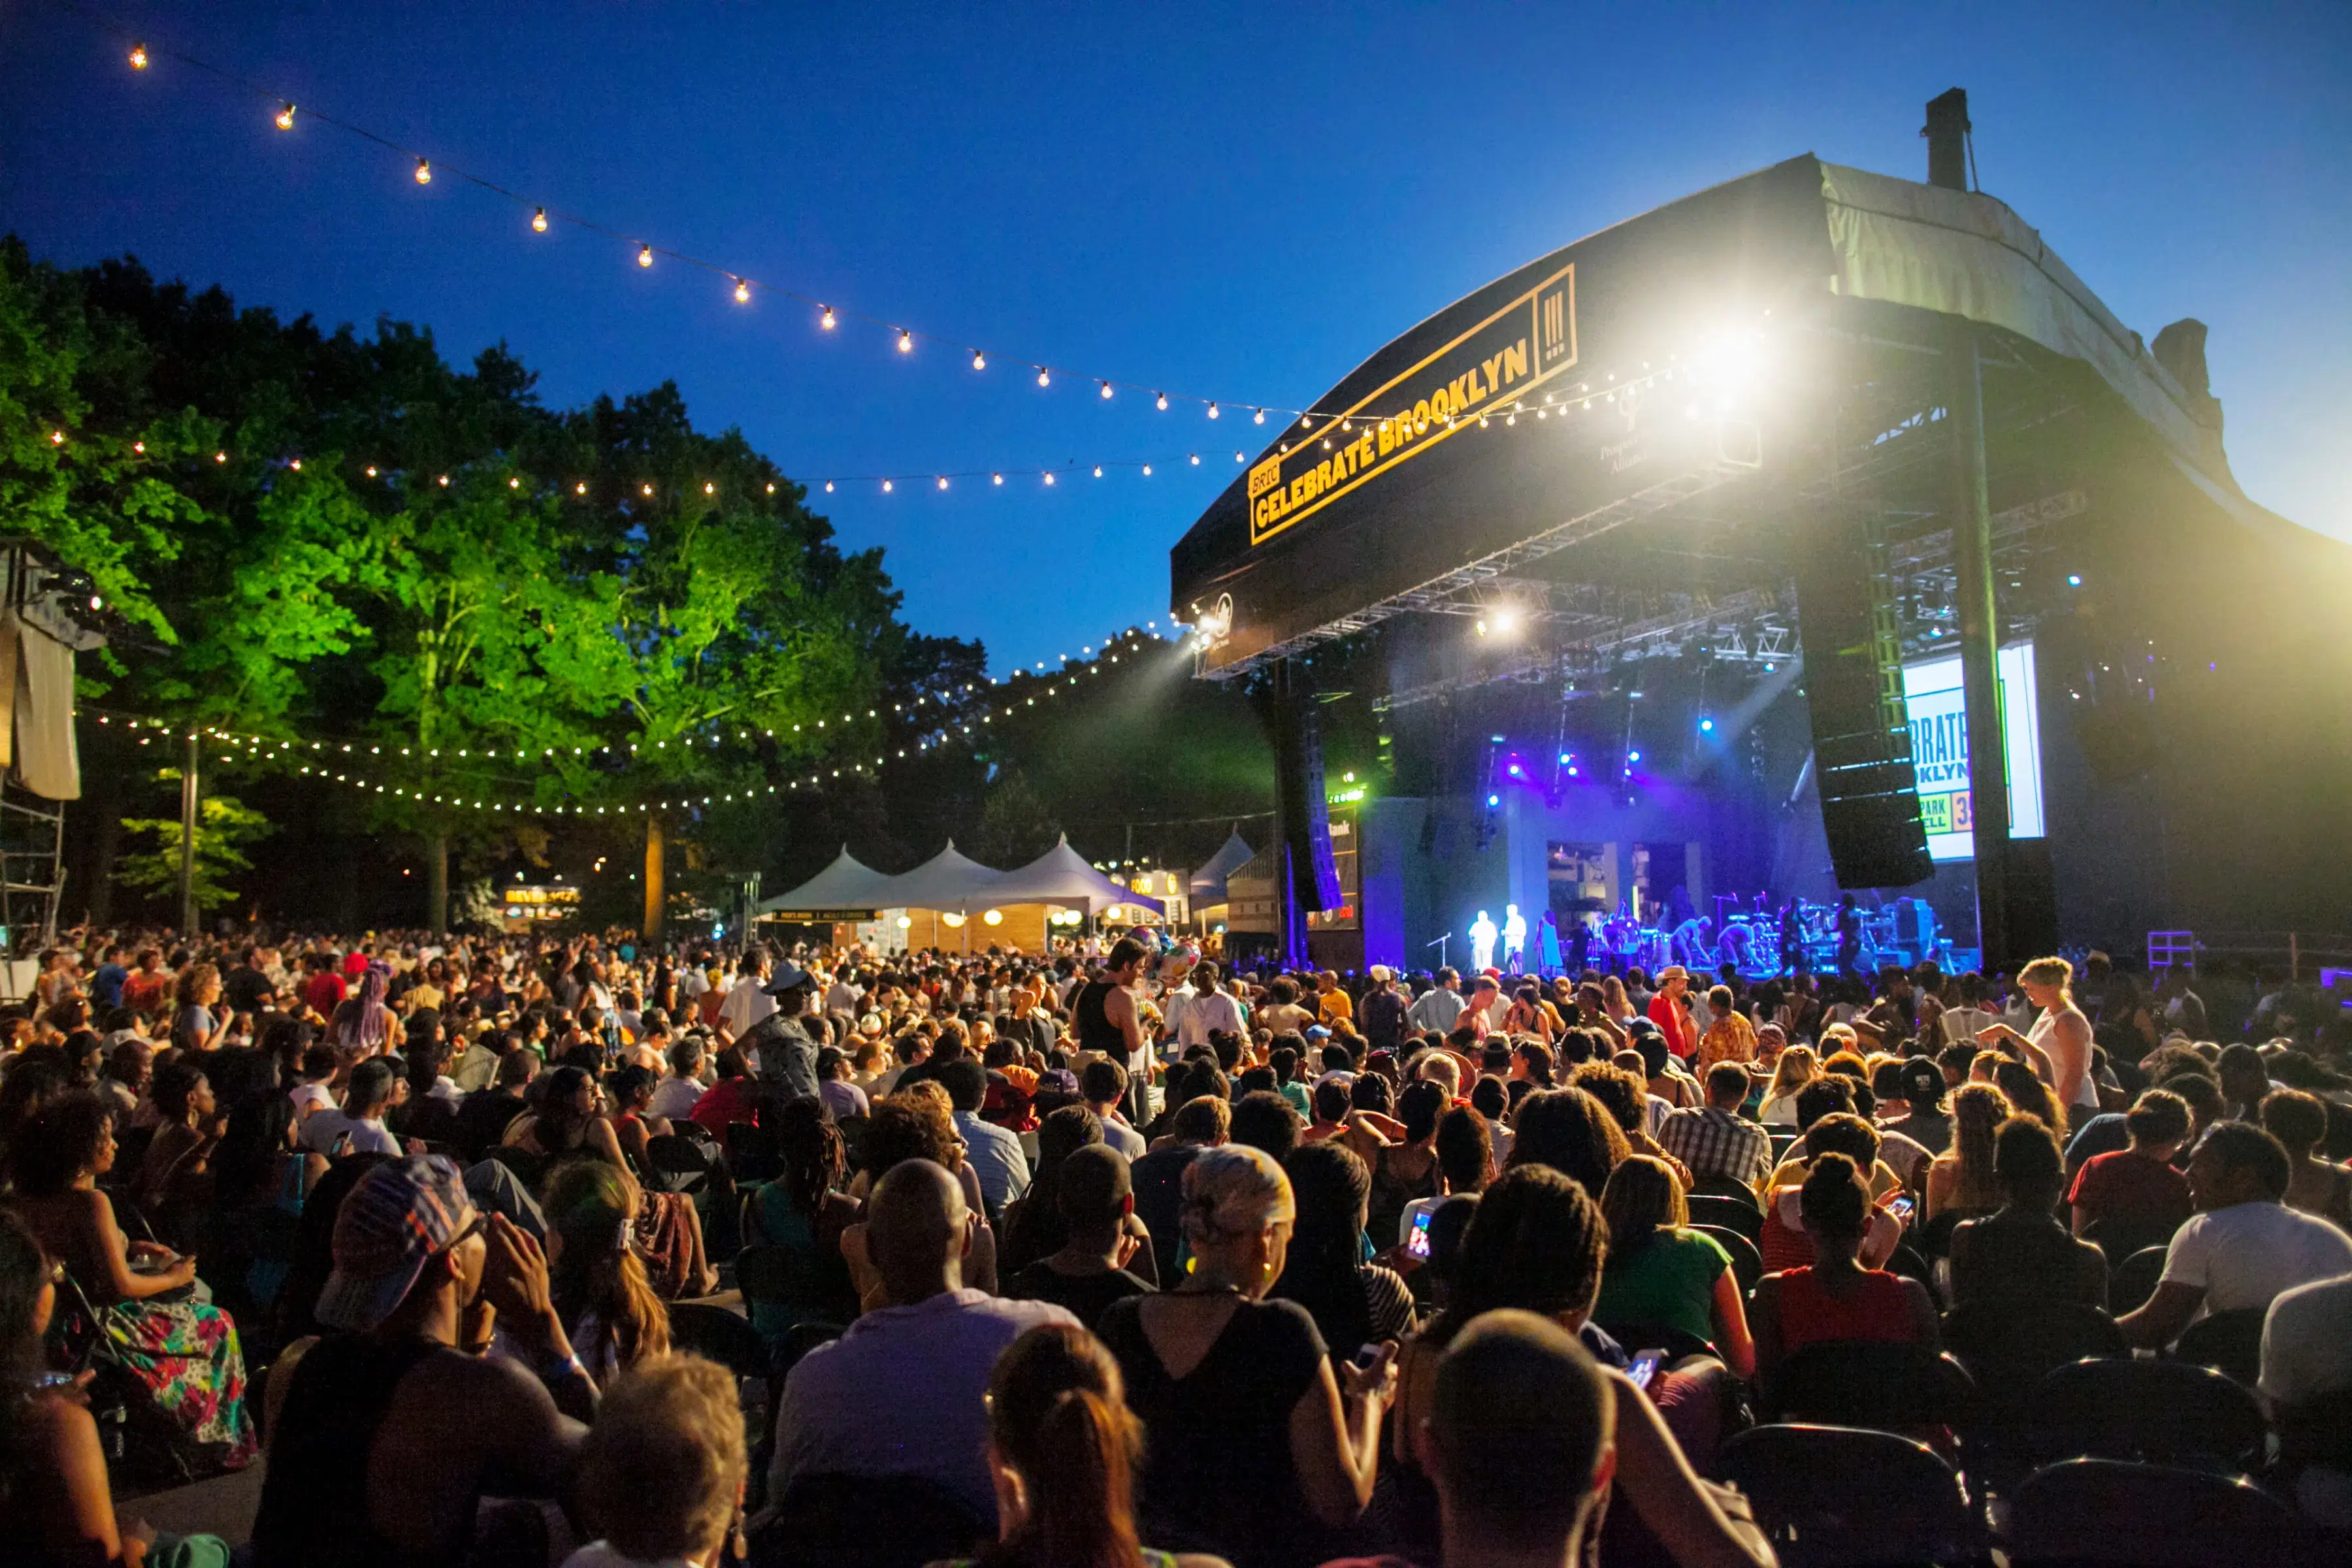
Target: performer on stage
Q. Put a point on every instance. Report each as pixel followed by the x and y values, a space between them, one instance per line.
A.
pixel 1692 944
pixel 1515 940
pixel 1482 943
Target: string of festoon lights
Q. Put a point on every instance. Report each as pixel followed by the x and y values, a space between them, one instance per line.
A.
pixel 1585 397
pixel 324 760
pixel 745 288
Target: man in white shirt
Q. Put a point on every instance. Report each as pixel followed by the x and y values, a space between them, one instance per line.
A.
pixel 2244 1247
pixel 749 1002
pixel 1210 1008
pixel 361 1119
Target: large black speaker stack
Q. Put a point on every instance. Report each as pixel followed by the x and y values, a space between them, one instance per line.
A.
pixel 1853 689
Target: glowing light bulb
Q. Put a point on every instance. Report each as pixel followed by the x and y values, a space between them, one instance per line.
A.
pixel 1147 470
pixel 538 220
pixel 772 487
pixel 978 360
pixel 57 437
pixel 220 457
pixel 709 488
pixel 138 56
pixel 1163 402
pixel 825 320
pixel 998 479
pixel 1196 460
pixel 1212 411
pixel 444 481
pixel 1261 416
pixel 1049 479
pixel 139 447
pixel 885 487
pixel 1237 458
pixel 742 292
pixel 511 484
pixel 943 481
pixel 906 341
pixel 1043 379
pixel 645 256
pixel 424 171
pixel 1106 389
pixel 1098 470
pixel 828 487
pixel 286 117
pixel 646 489
pixel 580 488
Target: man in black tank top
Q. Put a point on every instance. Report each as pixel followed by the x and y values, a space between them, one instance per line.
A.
pixel 391 1430
pixel 1104 1013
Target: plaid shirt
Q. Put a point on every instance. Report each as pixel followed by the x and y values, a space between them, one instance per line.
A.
pixel 1715 1142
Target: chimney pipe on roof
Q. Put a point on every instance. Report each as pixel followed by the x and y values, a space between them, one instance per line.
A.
pixel 1947 132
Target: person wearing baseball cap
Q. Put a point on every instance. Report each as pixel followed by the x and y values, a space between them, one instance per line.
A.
pixel 779 1045
pixel 391 1428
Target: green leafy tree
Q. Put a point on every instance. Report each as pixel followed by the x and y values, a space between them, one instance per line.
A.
pixel 224 826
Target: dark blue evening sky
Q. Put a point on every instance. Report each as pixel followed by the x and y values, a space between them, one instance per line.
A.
pixel 1240 201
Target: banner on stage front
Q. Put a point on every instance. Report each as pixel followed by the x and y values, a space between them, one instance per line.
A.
pixel 1940 748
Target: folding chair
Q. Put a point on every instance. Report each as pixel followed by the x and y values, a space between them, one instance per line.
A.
pixel 2230 1342
pixel 1746 1263
pixel 2101 1512
pixel 1729 1213
pixel 2133 1281
pixel 1840 1496
pixel 2155 1412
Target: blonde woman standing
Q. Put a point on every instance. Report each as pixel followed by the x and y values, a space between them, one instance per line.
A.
pixel 2058 1046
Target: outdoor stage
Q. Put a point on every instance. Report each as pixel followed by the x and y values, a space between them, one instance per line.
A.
pixel 1677 570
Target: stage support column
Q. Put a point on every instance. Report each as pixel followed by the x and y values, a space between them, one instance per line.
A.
pixel 1970 507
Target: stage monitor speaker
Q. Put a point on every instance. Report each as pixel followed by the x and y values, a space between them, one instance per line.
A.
pixel 1853 692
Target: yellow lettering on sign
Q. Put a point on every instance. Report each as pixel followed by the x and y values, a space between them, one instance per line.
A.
pixel 1476 365
pixel 1264 476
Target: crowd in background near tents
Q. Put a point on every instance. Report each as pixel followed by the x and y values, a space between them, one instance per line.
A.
pixel 1105 1254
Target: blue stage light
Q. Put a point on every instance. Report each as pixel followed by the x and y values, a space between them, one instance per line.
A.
pixel 1633 756
pixel 1494 800
pixel 1706 726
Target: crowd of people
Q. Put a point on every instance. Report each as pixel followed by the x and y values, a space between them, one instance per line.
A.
pixel 1113 1256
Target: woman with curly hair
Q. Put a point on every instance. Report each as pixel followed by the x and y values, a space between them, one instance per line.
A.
pixel 199 1022
pixel 803 1213
pixel 1961 1178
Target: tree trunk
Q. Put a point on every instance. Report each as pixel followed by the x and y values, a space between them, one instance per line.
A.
pixel 655 895
pixel 190 921
pixel 436 883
